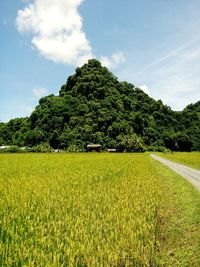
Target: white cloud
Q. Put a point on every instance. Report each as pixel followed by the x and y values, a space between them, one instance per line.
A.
pixel 115 59
pixel 144 88
pixel 40 92
pixel 172 77
pixel 192 55
pixel 182 52
pixel 57 30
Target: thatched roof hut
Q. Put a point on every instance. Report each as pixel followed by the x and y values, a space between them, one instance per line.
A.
pixel 94 148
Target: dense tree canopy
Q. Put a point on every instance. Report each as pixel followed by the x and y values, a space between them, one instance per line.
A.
pixel 94 107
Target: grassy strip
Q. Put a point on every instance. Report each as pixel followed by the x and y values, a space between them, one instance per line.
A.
pixel 191 159
pixel 179 221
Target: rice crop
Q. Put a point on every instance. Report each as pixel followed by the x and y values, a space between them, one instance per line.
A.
pixel 78 210
pixel 96 210
pixel 191 159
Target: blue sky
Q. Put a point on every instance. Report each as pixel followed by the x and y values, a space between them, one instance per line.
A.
pixel 153 44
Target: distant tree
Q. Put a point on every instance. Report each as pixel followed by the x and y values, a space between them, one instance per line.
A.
pixel 34 137
pixel 54 139
pixel 130 143
pixel 183 141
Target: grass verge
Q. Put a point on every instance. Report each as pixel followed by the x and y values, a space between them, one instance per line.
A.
pixel 191 159
pixel 179 220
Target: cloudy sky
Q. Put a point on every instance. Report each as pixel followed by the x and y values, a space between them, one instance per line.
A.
pixel 153 44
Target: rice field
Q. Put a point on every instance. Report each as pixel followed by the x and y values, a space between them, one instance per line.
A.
pixel 191 159
pixel 82 210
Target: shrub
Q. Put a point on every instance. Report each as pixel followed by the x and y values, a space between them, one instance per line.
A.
pixel 130 143
pixel 157 148
pixel 12 149
pixel 74 148
pixel 42 148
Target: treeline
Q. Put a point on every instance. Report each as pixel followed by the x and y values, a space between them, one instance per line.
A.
pixel 94 107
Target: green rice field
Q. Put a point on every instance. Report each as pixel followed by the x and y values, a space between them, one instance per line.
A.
pixel 191 159
pixel 96 210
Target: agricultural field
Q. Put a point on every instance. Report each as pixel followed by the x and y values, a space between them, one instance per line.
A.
pixel 191 159
pixel 96 210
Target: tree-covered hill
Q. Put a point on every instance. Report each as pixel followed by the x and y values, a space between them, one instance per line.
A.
pixel 94 107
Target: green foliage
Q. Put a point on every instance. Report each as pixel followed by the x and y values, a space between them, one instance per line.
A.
pixel 42 148
pixel 130 143
pixel 158 149
pixel 178 142
pixel 74 148
pixel 12 149
pixel 94 107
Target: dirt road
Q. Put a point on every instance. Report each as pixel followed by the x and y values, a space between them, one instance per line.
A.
pixel 192 175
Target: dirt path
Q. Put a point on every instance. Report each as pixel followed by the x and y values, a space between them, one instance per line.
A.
pixel 192 175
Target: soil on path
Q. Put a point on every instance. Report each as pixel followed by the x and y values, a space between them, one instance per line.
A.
pixel 192 175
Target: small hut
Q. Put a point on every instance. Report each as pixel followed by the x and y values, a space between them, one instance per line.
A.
pixel 94 148
pixel 112 150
